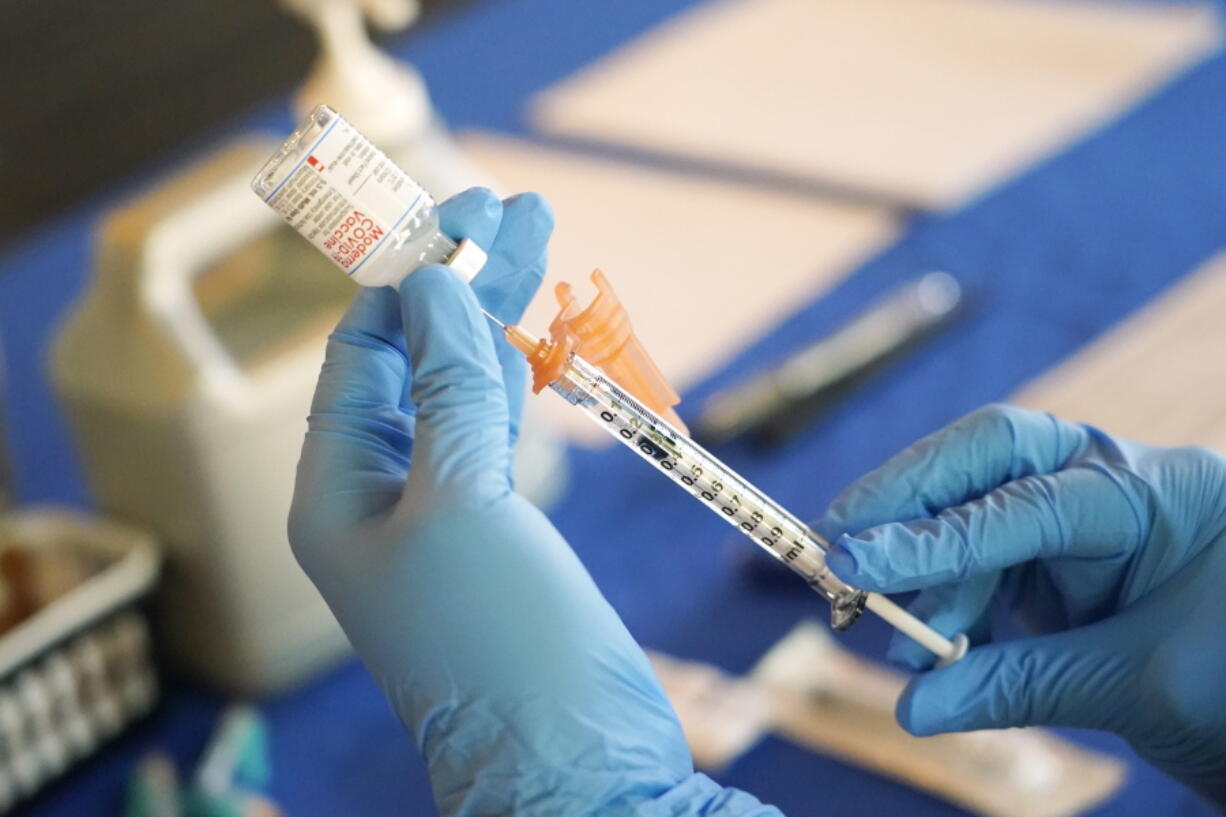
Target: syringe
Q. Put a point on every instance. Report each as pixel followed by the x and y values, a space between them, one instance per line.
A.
pixel 725 492
pixel 376 224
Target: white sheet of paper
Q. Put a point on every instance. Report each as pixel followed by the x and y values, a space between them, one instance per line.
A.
pixel 703 266
pixel 820 697
pixel 930 100
pixel 1157 377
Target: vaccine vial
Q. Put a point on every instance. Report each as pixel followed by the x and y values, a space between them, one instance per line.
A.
pixel 345 196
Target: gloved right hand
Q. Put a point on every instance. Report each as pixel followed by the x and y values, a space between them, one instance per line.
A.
pixel 520 684
pixel 1111 552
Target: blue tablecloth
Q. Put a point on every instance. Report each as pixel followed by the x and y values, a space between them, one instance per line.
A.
pixel 1050 260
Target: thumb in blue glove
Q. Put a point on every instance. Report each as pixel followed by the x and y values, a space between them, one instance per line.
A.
pixel 1110 552
pixel 520 684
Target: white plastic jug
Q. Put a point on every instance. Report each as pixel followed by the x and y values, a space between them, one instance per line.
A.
pixel 189 399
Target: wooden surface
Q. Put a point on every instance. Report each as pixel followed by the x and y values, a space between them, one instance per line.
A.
pixel 702 266
pixel 929 100
pixel 1155 378
pixel 813 693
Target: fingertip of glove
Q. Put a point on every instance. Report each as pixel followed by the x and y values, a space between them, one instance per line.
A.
pixel 913 712
pixel 843 561
pixel 479 198
pixel 474 213
pixel 905 653
pixel 534 202
pixel 432 278
pixel 535 210
pixel 828 528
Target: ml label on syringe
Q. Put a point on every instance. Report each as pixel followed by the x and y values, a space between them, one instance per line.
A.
pixel 711 482
pixel 346 196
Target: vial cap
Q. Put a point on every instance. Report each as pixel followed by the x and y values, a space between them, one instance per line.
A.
pixel 467 260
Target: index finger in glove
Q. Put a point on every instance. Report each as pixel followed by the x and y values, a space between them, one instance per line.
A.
pixel 461 448
pixel 1078 513
pixel 965 460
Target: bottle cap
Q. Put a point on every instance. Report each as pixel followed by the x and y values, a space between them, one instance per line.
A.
pixel 467 260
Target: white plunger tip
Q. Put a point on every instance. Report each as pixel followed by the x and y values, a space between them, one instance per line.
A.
pixel 947 651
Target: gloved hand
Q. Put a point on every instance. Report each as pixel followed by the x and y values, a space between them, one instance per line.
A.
pixel 1111 552
pixel 521 686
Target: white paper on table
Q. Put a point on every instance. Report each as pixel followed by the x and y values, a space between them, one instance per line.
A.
pixel 819 696
pixel 1157 377
pixel 929 100
pixel 703 266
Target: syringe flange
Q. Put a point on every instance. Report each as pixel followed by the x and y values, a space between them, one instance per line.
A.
pixel 845 611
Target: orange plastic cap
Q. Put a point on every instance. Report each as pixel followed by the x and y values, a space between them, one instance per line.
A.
pixel 602 335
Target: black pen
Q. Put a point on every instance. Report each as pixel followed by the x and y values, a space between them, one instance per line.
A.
pixel 775 404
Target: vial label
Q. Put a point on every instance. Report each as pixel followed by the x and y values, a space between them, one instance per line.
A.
pixel 346 197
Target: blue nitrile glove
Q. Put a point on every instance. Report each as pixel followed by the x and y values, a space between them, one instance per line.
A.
pixel 1111 552
pixel 524 691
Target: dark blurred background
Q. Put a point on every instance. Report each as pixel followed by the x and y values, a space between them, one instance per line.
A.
pixel 96 89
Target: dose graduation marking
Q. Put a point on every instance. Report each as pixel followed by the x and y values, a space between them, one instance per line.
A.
pixel 711 482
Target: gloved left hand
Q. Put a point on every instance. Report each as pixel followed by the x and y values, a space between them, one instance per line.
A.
pixel 1112 554
pixel 520 684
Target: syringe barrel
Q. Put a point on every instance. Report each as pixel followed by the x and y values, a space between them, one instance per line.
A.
pixel 710 481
